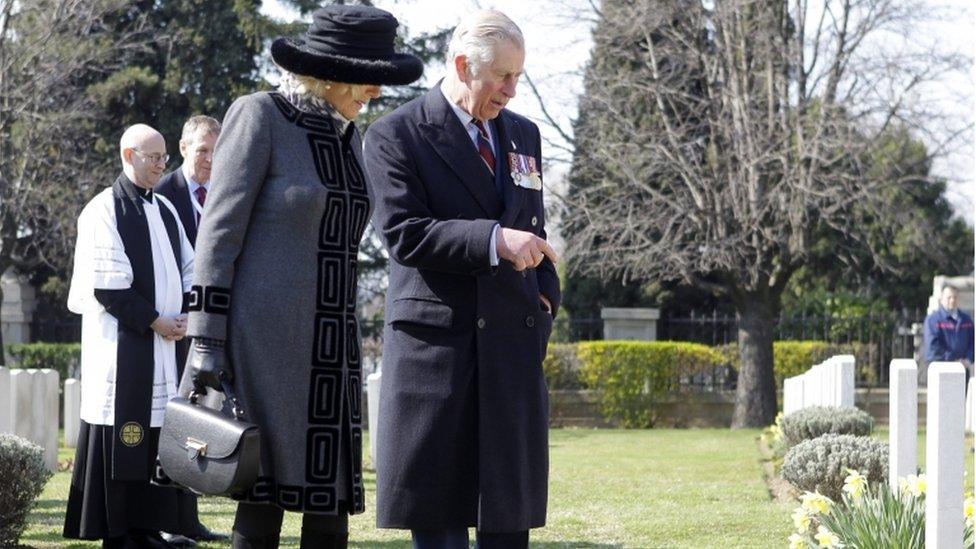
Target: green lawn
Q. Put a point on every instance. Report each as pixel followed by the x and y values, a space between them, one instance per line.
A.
pixel 608 488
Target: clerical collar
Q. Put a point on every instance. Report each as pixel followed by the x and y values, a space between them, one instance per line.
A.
pixel 146 194
pixel 292 90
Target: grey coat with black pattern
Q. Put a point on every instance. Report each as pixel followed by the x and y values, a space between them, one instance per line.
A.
pixel 276 278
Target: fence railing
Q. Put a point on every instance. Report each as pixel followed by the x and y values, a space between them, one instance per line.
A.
pixel 880 338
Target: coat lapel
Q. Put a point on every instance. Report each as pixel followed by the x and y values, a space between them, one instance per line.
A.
pixel 451 142
pixel 183 207
pixel 514 195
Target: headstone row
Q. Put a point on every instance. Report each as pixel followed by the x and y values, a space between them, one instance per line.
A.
pixel 944 444
pixel 830 383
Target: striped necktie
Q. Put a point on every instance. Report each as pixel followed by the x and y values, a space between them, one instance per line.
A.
pixel 484 145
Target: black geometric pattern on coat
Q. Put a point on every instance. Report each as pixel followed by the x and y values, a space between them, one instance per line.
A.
pixel 316 499
pixel 335 380
pixel 322 455
pixel 210 299
pixel 287 109
pixel 326 155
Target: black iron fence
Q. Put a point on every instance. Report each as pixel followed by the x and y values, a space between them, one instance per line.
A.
pixel 878 338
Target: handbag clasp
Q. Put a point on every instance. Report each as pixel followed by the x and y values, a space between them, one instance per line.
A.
pixel 195 448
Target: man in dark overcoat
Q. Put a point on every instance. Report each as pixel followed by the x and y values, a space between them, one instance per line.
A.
pixel 462 437
pixel 187 186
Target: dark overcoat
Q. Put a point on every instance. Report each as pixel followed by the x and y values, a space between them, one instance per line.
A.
pixel 174 187
pixel 462 437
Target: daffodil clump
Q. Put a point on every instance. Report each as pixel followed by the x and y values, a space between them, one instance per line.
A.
pixel 868 516
pixel 772 436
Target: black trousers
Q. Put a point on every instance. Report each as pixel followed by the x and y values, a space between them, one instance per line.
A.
pixel 258 526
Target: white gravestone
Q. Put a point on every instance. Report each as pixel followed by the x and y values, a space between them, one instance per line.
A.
pixel 72 412
pixel 902 420
pixel 792 395
pixel 373 409
pixel 969 404
pixel 6 425
pixel 845 380
pixel 944 456
pixel 811 388
pixel 34 405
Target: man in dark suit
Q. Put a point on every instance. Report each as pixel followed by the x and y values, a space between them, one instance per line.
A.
pixel 186 186
pixel 457 183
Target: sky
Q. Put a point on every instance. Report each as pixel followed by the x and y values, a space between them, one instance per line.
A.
pixel 558 43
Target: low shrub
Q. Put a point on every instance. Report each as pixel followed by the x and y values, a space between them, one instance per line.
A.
pixel 632 377
pixel 63 357
pixel 22 477
pixel 868 515
pixel 820 465
pixel 791 358
pixel 810 423
pixel 562 367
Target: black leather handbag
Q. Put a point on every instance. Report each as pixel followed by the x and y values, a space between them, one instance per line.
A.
pixel 207 451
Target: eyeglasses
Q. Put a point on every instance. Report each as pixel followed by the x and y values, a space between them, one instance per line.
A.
pixel 155 158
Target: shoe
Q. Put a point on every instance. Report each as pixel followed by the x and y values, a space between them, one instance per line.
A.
pixel 140 539
pixel 176 540
pixel 206 534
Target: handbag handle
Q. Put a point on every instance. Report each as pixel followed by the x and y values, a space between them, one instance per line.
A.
pixel 235 405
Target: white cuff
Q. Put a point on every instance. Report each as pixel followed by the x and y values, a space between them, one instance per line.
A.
pixel 492 251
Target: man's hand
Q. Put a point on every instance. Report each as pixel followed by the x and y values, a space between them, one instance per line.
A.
pixel 172 328
pixel 523 249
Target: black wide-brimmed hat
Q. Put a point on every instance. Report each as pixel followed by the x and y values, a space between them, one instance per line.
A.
pixel 352 44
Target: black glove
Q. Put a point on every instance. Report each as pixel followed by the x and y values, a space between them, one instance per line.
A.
pixel 208 365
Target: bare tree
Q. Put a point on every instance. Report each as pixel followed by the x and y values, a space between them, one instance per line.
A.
pixel 717 139
pixel 51 51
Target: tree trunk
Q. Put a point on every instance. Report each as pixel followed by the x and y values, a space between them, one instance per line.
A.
pixel 755 396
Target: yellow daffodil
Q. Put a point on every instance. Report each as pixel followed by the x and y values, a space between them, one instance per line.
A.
pixel 801 520
pixel 855 484
pixel 967 509
pixel 913 485
pixel 797 541
pixel 816 503
pixel 826 538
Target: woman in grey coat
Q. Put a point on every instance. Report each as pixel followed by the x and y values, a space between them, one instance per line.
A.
pixel 273 303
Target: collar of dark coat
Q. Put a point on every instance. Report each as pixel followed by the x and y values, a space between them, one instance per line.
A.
pixel 450 140
pixel 180 179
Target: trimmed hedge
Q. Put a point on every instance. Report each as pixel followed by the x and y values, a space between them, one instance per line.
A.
pixel 633 376
pixel 810 423
pixel 792 358
pixel 63 357
pixel 562 367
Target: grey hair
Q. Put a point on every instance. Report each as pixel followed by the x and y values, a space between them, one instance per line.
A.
pixel 476 36
pixel 199 122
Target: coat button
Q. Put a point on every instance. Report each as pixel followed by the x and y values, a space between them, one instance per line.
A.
pixel 535 221
pixel 481 323
pixel 530 321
